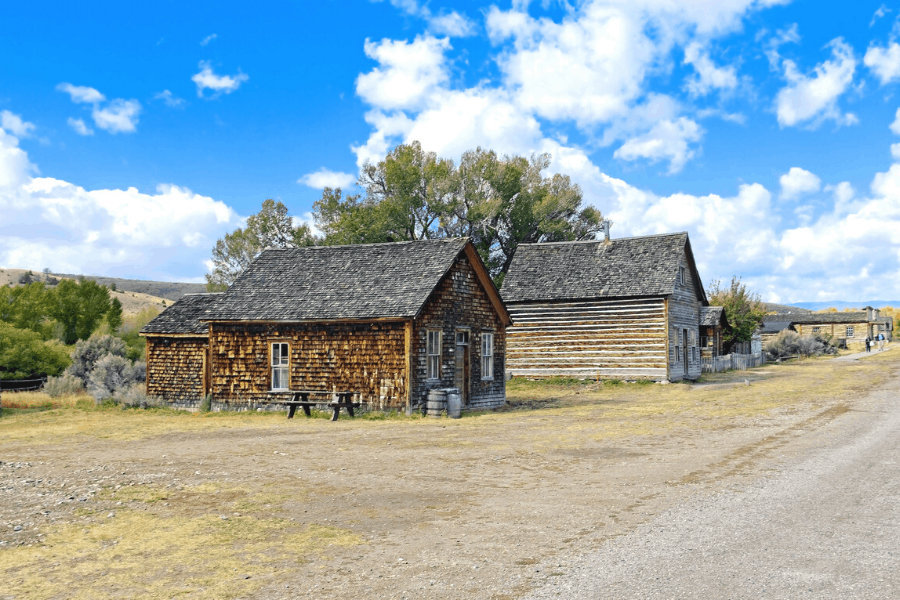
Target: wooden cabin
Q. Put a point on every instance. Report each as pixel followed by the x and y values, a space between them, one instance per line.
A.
pixel 388 322
pixel 849 328
pixel 178 351
pixel 713 327
pixel 624 308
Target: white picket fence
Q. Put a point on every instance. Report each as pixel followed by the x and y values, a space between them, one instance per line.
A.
pixel 732 362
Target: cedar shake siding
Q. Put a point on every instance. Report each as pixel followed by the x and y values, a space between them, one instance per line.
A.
pixel 367 358
pixel 353 318
pixel 460 304
pixel 615 309
pixel 178 351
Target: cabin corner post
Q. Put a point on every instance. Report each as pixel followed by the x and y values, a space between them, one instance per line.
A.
pixel 668 347
pixel 408 337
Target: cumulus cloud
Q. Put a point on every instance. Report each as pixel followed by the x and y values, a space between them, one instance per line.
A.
pixel 161 234
pixel 81 94
pixel 667 140
pixel 119 116
pixel 14 124
pixel 80 126
pixel 708 76
pixel 324 178
pixel 170 99
pixel 206 79
pixel 407 73
pixel 813 99
pixel 452 24
pixel 884 62
pixel 205 41
pixel 797 182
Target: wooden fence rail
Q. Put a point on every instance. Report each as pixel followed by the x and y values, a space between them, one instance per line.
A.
pixel 732 362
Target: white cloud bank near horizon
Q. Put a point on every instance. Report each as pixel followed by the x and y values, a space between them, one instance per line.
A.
pixel 52 223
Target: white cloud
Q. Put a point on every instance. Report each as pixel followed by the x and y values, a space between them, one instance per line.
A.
pixel 452 24
pixel 81 94
pixel 206 79
pixel 882 11
pixel 106 230
pixel 709 77
pixel 408 72
pixel 326 178
pixel 14 124
pixel 80 127
pixel 119 116
pixel 884 62
pixel 170 99
pixel 895 151
pixel 205 41
pixel 667 140
pixel 813 99
pixel 791 35
pixel 895 126
pixel 797 182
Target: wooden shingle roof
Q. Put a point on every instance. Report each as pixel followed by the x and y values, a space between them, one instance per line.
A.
pixel 816 318
pixel 183 317
pixel 622 267
pixel 710 316
pixel 319 283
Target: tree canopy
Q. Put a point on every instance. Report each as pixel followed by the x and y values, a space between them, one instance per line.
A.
pixel 742 308
pixel 497 201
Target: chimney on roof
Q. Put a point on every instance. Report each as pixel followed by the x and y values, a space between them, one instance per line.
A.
pixel 872 313
pixel 606 224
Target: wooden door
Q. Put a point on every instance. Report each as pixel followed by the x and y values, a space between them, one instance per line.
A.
pixel 462 372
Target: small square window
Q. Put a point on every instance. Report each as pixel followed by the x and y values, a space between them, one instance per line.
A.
pixel 462 338
pixel 849 332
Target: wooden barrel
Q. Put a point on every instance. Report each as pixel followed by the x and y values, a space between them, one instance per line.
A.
pixel 454 403
pixel 436 403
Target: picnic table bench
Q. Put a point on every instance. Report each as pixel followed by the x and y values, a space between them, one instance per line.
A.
pixel 301 398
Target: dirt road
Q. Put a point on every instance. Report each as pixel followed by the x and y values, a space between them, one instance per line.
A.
pixel 825 525
pixel 139 504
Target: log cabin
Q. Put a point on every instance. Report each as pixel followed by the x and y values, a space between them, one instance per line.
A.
pixel 625 308
pixel 388 322
pixel 847 328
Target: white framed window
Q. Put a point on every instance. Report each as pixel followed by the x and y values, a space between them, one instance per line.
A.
pixel 849 331
pixel 487 355
pixel 281 366
pixel 434 354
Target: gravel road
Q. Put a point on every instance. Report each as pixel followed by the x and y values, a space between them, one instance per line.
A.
pixel 823 524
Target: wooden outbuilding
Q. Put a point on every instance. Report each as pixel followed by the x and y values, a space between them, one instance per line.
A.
pixel 625 308
pixel 713 327
pixel 845 328
pixel 388 322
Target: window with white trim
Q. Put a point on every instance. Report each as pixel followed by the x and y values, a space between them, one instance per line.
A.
pixel 434 354
pixel 487 355
pixel 849 331
pixel 280 366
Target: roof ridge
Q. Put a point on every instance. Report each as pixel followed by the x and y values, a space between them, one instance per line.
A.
pixel 433 240
pixel 633 237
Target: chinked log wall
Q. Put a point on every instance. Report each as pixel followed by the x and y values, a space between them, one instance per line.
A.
pixel 175 369
pixel 609 339
pixel 367 358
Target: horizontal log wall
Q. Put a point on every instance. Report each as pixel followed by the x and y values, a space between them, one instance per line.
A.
pixel 460 302
pixel 836 331
pixel 366 358
pixel 609 339
pixel 175 369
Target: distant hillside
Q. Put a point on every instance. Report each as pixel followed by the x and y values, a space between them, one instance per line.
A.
pixel 841 305
pixel 133 301
pixel 160 289
pixel 771 307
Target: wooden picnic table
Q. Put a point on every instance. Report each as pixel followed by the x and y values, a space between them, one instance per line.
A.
pixel 301 398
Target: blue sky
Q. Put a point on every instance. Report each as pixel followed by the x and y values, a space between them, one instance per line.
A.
pixel 131 138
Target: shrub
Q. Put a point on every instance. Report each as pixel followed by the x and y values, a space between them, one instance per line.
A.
pixel 64 385
pixel 135 396
pixel 206 404
pixel 113 373
pixel 790 343
pixel 23 354
pixel 88 353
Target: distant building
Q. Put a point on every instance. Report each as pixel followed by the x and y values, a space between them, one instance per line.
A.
pixel 850 327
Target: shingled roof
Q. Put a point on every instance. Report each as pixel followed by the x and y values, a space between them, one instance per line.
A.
pixel 183 317
pixel 623 267
pixel 364 281
pixel 710 316
pixel 815 318
pixel 774 326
